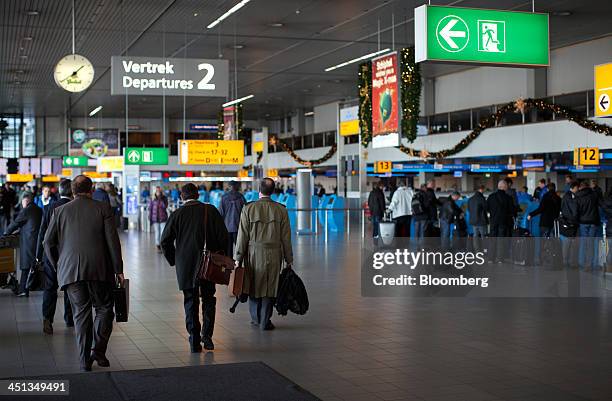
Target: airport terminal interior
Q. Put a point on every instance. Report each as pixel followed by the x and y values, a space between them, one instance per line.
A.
pixel 393 200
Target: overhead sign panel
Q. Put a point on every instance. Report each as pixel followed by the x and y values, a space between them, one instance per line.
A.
pixel 471 35
pixel 349 121
pixel 109 164
pixel 211 152
pixel 385 101
pixel 603 90
pixel 159 76
pixel 75 161
pixel 146 156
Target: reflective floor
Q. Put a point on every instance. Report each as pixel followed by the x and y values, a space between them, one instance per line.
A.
pixel 346 347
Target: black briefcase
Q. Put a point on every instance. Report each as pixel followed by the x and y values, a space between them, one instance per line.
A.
pixel 121 296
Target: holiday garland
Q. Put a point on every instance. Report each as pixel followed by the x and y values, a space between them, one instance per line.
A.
pixel 490 121
pixel 364 84
pixel 410 93
pixel 308 163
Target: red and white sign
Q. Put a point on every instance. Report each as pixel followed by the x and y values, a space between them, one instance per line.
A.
pixel 385 101
pixel 229 124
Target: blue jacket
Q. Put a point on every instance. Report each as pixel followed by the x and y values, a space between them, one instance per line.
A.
pixel 230 209
pixel 101 196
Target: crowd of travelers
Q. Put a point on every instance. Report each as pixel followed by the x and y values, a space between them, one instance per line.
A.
pixel 577 215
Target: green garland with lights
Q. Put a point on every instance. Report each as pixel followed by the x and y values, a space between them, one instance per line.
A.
pixel 410 97
pixel 364 84
pixel 220 125
pixel 490 121
pixel 308 163
pixel 410 93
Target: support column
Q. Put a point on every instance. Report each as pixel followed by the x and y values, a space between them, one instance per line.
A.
pixel 424 177
pixel 467 183
pixel 533 177
pixel 130 181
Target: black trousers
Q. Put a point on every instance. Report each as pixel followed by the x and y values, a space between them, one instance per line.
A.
pixel 50 303
pixel 402 225
pixel 91 335
pixel 206 290
pixel 502 244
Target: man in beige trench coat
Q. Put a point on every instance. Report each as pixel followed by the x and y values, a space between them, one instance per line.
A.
pixel 264 241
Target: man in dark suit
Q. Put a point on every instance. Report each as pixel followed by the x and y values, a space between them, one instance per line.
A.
pixel 83 245
pixel 191 226
pixel 502 211
pixel 27 222
pixel 50 285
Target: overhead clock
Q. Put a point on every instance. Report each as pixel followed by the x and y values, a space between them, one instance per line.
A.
pixel 74 73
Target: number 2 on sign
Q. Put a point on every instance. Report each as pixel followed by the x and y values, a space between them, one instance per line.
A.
pixel 210 72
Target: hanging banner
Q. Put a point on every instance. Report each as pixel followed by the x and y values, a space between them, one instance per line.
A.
pixel 158 76
pixel 385 101
pixel 94 143
pixel 229 123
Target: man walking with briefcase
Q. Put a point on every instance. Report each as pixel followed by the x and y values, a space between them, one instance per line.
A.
pixel 192 226
pixel 264 241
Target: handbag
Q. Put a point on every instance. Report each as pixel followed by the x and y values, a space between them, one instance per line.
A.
pixel 121 298
pixel 566 228
pixel 214 266
pixel 236 281
pixel 36 277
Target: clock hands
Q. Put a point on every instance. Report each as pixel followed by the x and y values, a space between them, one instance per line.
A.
pixel 74 74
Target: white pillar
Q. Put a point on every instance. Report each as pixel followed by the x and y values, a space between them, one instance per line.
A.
pixel 304 188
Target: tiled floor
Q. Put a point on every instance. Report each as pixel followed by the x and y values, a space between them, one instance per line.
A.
pixel 347 347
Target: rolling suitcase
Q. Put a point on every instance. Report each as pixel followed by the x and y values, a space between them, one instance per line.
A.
pixel 387 230
pixel 522 247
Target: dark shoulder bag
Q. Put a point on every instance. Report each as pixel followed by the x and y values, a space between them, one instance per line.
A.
pixel 214 266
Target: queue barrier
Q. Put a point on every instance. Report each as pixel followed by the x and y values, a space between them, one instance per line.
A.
pixel 327 213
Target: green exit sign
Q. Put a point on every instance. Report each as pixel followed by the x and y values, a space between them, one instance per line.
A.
pixel 471 35
pixel 146 156
pixel 75 161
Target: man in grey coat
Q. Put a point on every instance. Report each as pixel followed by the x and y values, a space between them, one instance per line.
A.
pixel 83 245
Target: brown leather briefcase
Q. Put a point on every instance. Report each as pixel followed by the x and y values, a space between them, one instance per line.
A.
pixel 236 281
pixel 215 267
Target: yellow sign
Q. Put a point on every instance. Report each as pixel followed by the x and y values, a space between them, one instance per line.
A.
pixel 383 167
pixel 243 173
pixel 95 174
pixel 66 172
pixel 211 152
pixel 258 147
pixel 603 90
pixel 586 156
pixel 109 164
pixel 19 177
pixel 349 128
pixel 50 178
pixel 272 172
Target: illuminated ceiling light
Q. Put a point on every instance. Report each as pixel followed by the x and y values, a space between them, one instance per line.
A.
pixel 23 56
pixel 28 38
pixel 228 13
pixel 240 100
pixel 364 57
pixel 561 13
pixel 276 25
pixel 309 113
pixel 237 46
pixel 32 13
pixel 94 111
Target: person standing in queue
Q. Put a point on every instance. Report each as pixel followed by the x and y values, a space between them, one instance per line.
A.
pixel 479 219
pixel 264 241
pixel 83 245
pixel 589 223
pixel 449 214
pixel 376 204
pixel 502 212
pixel 51 286
pixel 28 223
pixel 231 206
pixel 431 206
pixel 401 207
pixel 193 226
pixel 100 193
pixel 568 225
pixel 548 209
pixel 158 215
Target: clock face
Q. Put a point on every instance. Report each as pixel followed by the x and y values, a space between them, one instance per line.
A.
pixel 74 73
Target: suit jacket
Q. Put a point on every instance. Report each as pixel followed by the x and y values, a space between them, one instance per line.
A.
pixel 82 242
pixel 501 208
pixel 186 227
pixel 50 272
pixel 27 222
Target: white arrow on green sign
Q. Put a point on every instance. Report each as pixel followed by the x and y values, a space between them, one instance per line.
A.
pixel 476 36
pixel 146 156
pixel 75 161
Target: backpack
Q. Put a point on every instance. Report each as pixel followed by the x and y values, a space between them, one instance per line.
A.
pixel 417 204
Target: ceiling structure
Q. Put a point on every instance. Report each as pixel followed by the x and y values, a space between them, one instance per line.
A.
pixel 279 48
